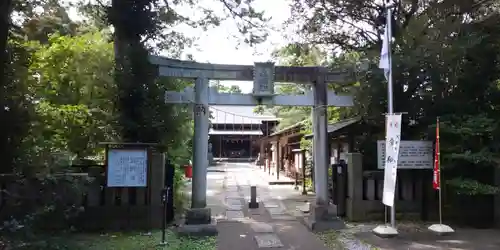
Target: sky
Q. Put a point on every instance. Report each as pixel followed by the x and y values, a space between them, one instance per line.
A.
pixel 218 44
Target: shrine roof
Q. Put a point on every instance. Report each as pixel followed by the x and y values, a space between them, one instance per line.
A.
pixel 336 126
pixel 222 114
pixel 293 126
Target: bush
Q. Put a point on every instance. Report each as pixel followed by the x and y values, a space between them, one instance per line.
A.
pixel 41 202
pixel 179 194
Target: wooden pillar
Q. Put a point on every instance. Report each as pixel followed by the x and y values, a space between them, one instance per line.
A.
pixel 278 159
pixel 262 151
pixel 350 140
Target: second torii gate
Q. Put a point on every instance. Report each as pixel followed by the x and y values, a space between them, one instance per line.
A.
pixel 263 75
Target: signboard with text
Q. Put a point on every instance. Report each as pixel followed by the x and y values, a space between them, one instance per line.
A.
pixel 127 168
pixel 412 155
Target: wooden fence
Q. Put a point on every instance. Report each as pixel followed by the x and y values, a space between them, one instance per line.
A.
pixel 96 207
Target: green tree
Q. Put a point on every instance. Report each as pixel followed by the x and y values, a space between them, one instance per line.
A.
pixel 53 17
pixel 437 53
pixel 73 89
pixel 234 89
pixel 227 89
pixel 136 25
pixel 15 111
pixel 301 54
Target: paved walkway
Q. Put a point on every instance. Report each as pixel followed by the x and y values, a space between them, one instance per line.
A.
pixel 240 228
pixel 272 178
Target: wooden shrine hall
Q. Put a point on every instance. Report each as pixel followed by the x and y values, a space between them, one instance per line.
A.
pixel 235 131
pixel 278 149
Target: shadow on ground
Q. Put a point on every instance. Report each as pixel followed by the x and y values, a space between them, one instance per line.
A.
pixel 481 239
pixel 215 171
pixel 237 233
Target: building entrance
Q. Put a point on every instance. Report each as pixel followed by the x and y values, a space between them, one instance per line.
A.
pixel 235 131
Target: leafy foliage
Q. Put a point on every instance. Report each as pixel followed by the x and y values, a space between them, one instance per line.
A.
pixel 67 85
pixel 227 89
pixel 71 88
pixel 301 54
pixel 440 48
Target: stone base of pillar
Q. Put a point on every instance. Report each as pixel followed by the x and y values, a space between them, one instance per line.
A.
pixel 198 222
pixel 323 218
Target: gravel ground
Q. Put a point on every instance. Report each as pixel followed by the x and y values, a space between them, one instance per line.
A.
pixel 345 239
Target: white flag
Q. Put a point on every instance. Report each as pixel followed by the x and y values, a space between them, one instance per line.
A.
pixel 385 60
pixel 392 141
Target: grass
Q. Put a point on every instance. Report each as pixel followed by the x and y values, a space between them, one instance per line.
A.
pixel 124 241
pixel 331 239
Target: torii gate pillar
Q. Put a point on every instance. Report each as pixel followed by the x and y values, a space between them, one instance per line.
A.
pixel 200 144
pixel 320 141
pixel 323 216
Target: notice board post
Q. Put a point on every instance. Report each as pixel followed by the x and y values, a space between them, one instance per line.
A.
pixel 134 177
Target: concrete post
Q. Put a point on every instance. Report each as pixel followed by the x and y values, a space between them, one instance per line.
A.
pixel 354 205
pixel 320 137
pixel 253 198
pixel 200 144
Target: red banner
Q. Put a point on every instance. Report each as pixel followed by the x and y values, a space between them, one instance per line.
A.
pixel 436 180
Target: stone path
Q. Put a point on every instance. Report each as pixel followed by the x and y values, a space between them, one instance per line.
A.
pixel 273 225
pixel 269 226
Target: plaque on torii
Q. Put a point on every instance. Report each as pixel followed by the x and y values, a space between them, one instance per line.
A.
pixel 263 75
pixel 263 80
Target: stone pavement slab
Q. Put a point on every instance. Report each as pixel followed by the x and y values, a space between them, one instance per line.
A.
pixel 273 179
pixel 283 217
pixel 268 240
pixel 266 227
pixel 234 215
pixel 261 227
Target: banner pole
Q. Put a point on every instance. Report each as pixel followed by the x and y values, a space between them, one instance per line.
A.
pixel 386 64
pixel 439 173
pixel 440 206
pixel 439 229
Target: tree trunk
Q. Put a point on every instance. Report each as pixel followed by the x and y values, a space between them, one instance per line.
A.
pixel 123 73
pixel 5 11
pixel 5 137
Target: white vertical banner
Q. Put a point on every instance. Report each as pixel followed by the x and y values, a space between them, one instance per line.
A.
pixel 392 141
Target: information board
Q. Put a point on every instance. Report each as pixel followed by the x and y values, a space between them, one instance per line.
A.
pixel 412 155
pixel 127 168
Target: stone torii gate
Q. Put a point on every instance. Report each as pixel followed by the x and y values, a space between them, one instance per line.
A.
pixel 263 75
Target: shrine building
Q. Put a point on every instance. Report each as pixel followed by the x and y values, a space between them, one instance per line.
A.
pixel 235 131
